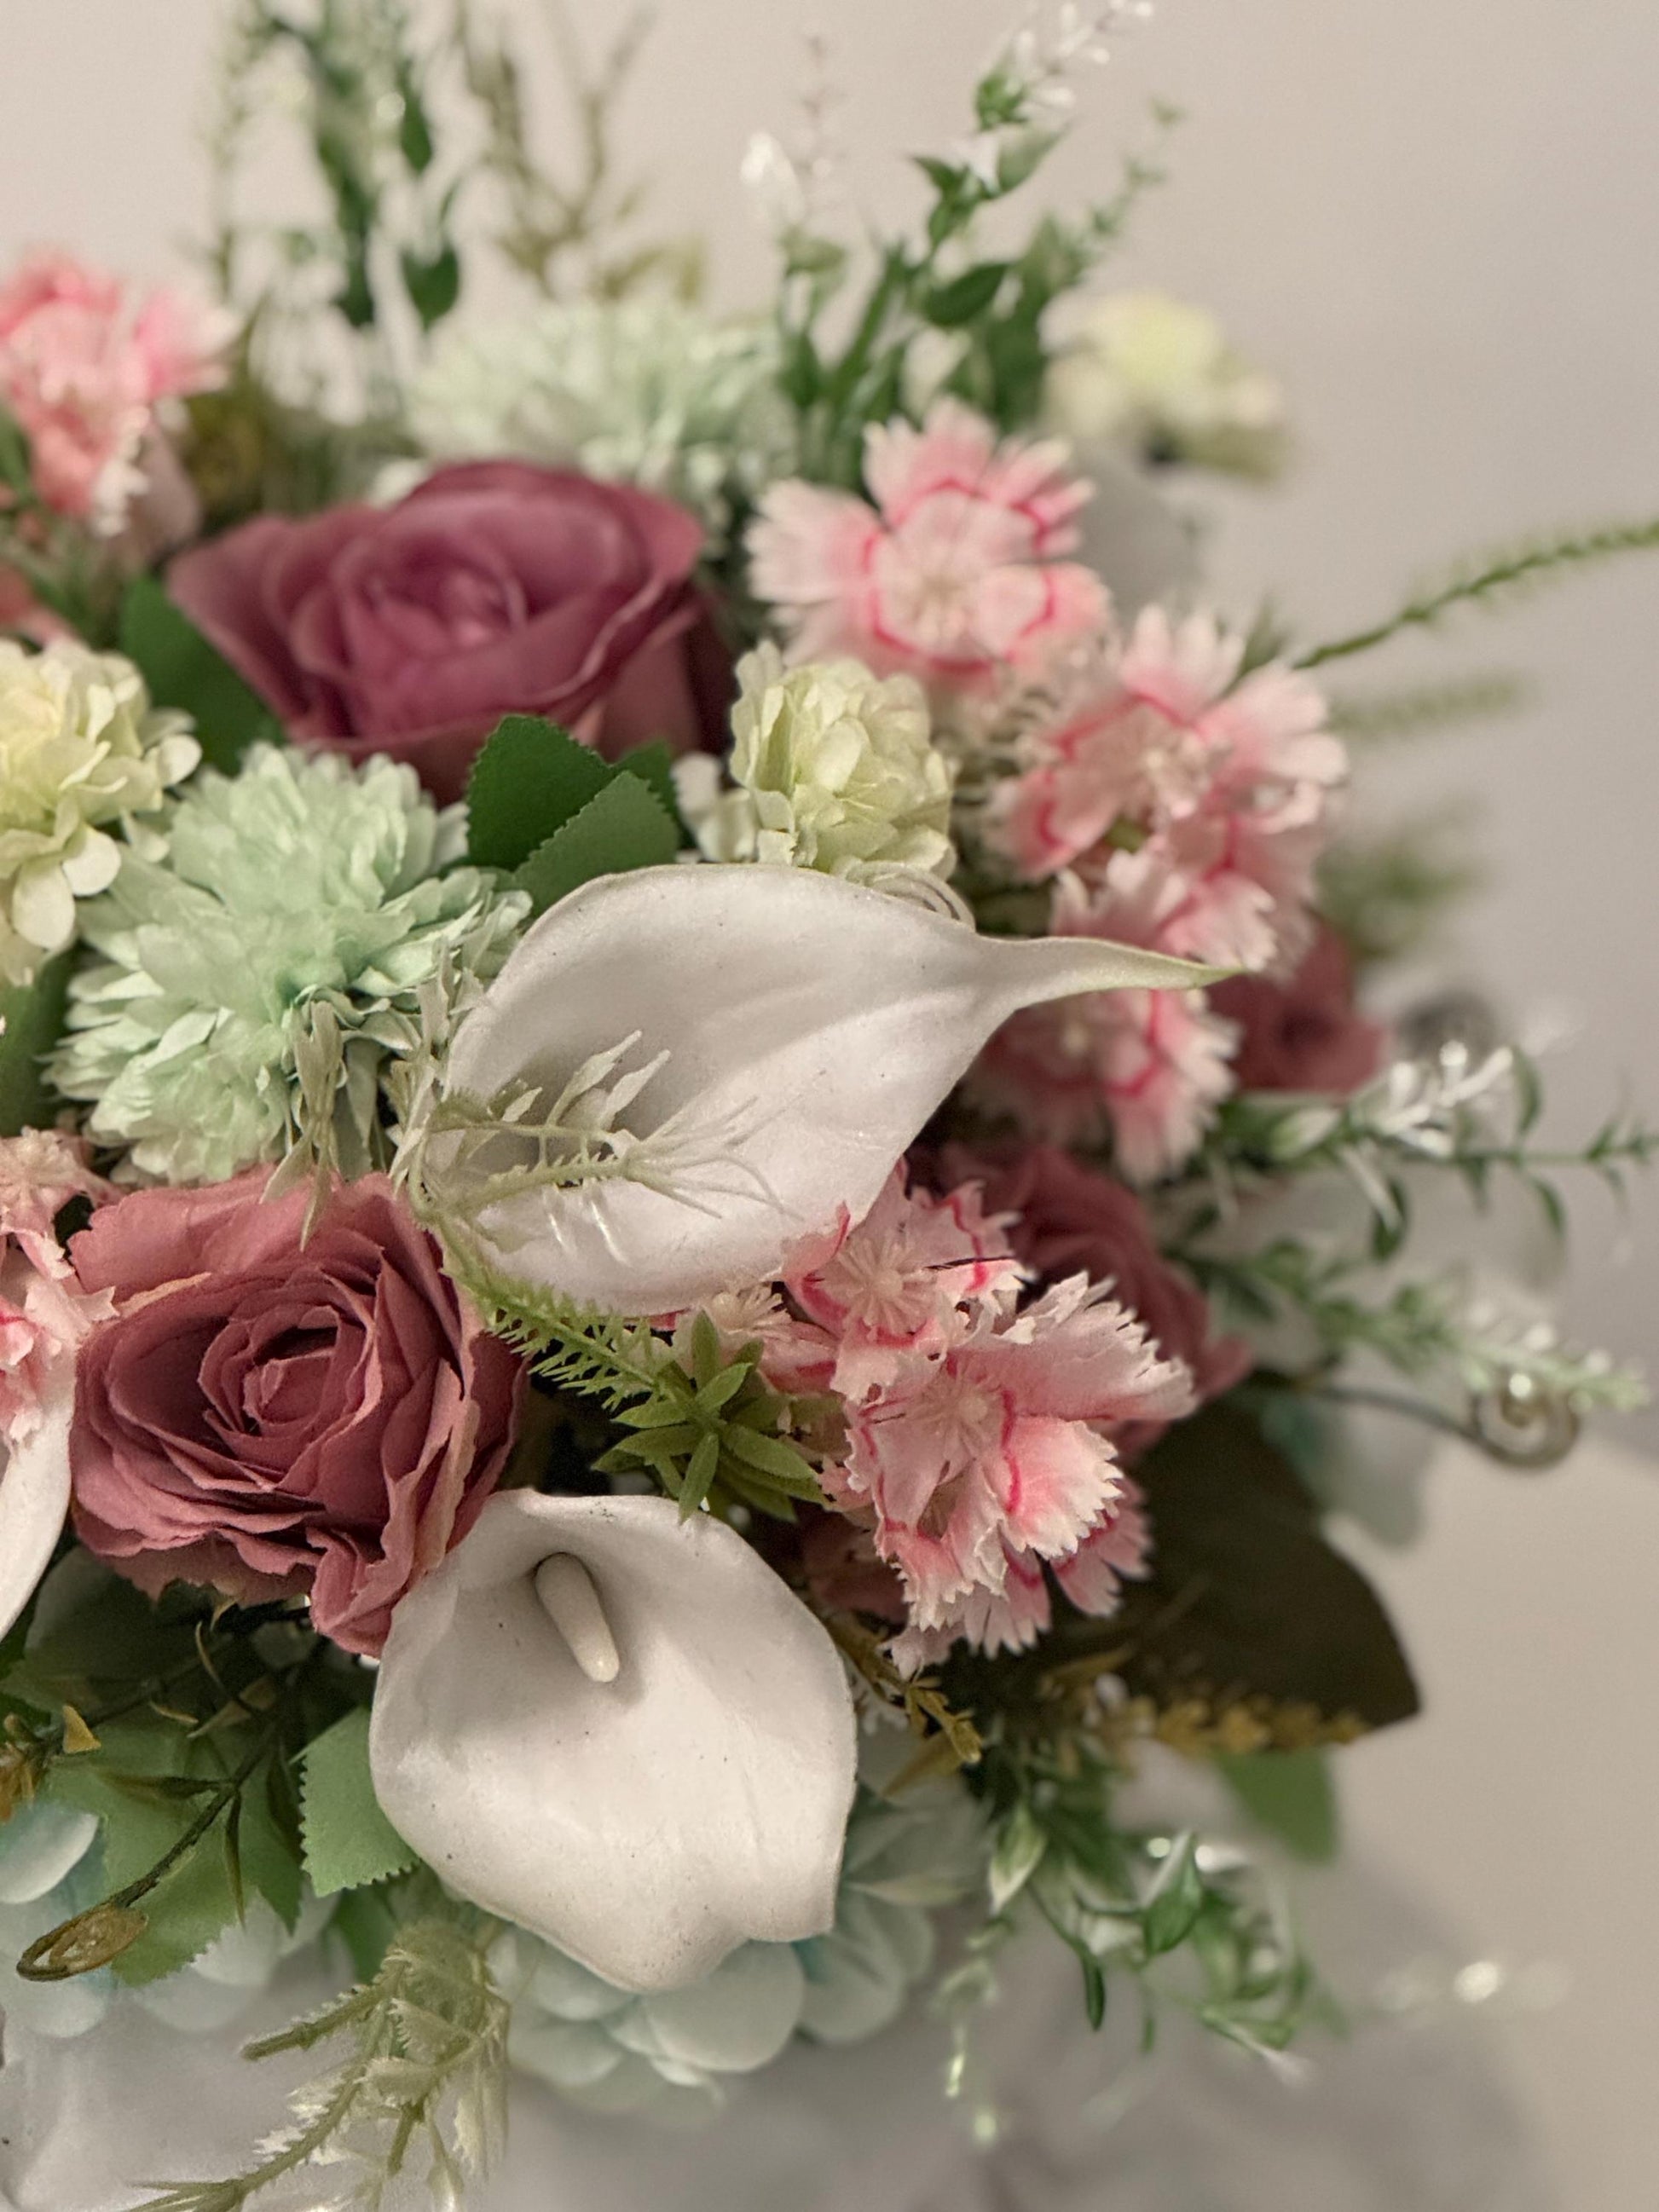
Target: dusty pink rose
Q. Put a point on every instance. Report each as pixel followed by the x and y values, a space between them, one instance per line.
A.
pixel 1305 1034
pixel 1065 1218
pixel 272 1419
pixel 952 574
pixel 83 372
pixel 495 587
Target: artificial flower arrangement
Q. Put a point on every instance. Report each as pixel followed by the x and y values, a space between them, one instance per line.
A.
pixel 691 1180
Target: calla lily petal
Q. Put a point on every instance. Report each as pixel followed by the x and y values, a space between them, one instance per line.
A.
pixel 646 1824
pixel 34 1499
pixel 803 1029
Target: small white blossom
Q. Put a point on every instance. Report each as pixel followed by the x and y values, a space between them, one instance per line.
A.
pixel 835 770
pixel 81 753
pixel 1150 371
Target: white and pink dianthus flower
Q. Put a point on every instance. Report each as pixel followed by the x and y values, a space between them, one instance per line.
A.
pixel 43 1318
pixel 953 574
pixel 84 372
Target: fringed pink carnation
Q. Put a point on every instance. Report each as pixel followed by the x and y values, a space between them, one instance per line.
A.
pixel 984 1461
pixel 84 373
pixel 1225 786
pixel 43 1317
pixel 1148 1068
pixel 952 574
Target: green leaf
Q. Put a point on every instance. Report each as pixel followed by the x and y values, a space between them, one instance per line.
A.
pixel 965 297
pixel 529 781
pixel 1291 1795
pixel 186 1910
pixel 1247 1601
pixel 654 766
pixel 184 671
pixel 433 283
pixel 1020 1846
pixel 33 1017
pixel 1172 1910
pixel 268 1839
pixel 348 1840
pixel 15 465
pixel 621 827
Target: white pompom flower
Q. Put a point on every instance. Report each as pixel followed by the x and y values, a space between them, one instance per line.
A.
pixel 83 752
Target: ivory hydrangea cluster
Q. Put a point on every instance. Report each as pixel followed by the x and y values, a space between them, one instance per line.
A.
pixel 82 754
pixel 834 768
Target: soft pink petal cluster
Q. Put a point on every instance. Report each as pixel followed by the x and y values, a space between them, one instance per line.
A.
pixel 1181 806
pixel 83 370
pixel 979 1435
pixel 43 1315
pixel 950 572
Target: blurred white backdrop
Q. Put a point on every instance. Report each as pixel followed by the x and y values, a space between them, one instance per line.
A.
pixel 1439 221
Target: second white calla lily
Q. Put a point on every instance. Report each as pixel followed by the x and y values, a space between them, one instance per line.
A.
pixel 681 1073
pixel 621 1730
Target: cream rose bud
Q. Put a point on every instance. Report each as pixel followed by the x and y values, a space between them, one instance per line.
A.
pixel 835 770
pixel 82 751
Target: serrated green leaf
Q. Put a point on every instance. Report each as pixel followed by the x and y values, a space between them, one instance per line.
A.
pixel 621 827
pixel 653 764
pixel 347 1839
pixel 183 670
pixel 33 1019
pixel 269 1837
pixel 1291 1795
pixel 186 1910
pixel 529 780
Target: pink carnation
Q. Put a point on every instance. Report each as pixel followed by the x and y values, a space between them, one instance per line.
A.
pixel 273 1415
pixel 84 373
pixel 951 575
pixel 1065 1218
pixel 1147 1067
pixel 982 1461
pixel 43 1318
pixel 1225 784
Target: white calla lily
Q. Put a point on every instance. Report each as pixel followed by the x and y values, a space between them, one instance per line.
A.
pixel 681 1073
pixel 645 1755
pixel 34 1497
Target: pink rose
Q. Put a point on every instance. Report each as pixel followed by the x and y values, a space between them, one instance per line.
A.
pixel 1070 1220
pixel 494 588
pixel 1305 1034
pixel 84 373
pixel 270 1418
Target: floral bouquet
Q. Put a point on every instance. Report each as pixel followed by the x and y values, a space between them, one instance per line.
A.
pixel 693 1198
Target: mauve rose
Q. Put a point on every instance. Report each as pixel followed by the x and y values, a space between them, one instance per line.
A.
pixel 495 587
pixel 1074 1221
pixel 1305 1034
pixel 271 1420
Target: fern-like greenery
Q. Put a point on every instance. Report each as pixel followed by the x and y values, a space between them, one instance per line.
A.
pixel 712 1432
pixel 420 2096
pixel 1490 578
pixel 1382 716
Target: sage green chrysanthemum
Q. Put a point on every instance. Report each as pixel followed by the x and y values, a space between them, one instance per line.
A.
pixel 256 983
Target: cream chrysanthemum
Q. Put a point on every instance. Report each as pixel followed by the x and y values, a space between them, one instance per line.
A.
pixel 81 752
pixel 257 980
pixel 835 770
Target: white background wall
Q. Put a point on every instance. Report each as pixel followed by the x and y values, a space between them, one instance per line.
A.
pixel 1440 220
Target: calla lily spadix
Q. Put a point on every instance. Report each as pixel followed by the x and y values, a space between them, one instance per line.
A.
pixel 681 1073
pixel 620 1730
pixel 34 1498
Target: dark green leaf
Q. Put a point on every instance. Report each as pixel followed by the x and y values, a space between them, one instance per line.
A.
pixel 529 781
pixel 33 1019
pixel 270 1840
pixel 367 1921
pixel 1291 1795
pixel 1094 1992
pixel 1173 1909
pixel 621 827
pixel 965 297
pixel 1247 1601
pixel 654 766
pixel 348 1840
pixel 184 671
pixel 433 283
pixel 14 459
